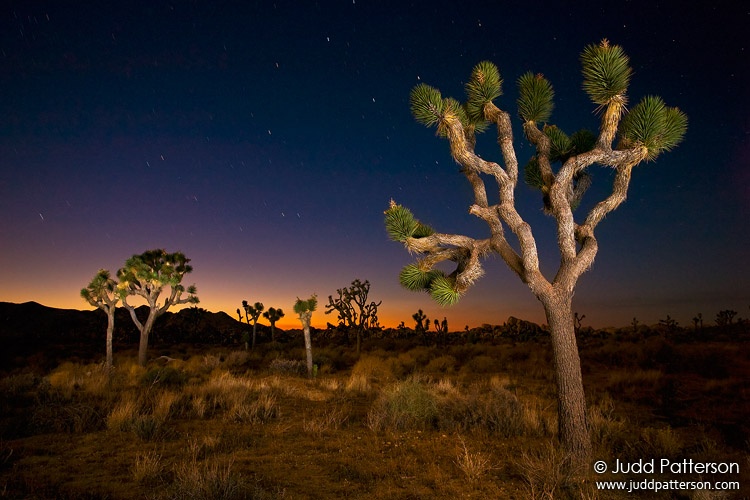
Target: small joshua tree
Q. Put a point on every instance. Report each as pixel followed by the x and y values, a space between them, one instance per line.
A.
pixel 305 308
pixel 354 311
pixel 441 329
pixel 422 324
pixel 725 317
pixel 273 315
pixel 239 315
pixel 252 312
pixel 148 275
pixel 560 170
pixel 102 292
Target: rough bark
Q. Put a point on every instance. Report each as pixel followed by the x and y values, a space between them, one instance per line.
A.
pixel 571 400
pixel 110 335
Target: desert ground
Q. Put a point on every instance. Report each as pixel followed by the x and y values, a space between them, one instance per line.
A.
pixel 463 416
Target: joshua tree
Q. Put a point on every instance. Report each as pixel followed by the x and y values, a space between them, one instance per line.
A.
pixel 305 308
pixel 422 324
pixel 559 169
pixel 353 309
pixel 698 322
pixel 147 275
pixel 441 329
pixel 102 292
pixel 239 315
pixel 273 315
pixel 725 317
pixel 253 312
pixel 577 320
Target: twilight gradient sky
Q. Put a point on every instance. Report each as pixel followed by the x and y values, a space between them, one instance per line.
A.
pixel 264 140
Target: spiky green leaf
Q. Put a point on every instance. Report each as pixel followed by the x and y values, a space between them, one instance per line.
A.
pixel 582 140
pixel 485 85
pixel 675 127
pixel 426 104
pixel 654 125
pixel 560 145
pixel 451 107
pixel 422 230
pixel 532 175
pixel 535 99
pixel 400 223
pixel 413 278
pixel 442 290
pixel 606 72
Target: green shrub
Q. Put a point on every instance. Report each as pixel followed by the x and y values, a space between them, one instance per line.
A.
pixel 405 405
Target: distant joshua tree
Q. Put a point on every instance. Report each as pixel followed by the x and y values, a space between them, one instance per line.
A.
pixel 147 275
pixel 670 323
pixel 441 330
pixel 239 315
pixel 725 317
pixel 305 308
pixel 560 170
pixel 698 322
pixel 577 320
pixel 252 312
pixel 422 324
pixel 354 311
pixel 273 315
pixel 102 292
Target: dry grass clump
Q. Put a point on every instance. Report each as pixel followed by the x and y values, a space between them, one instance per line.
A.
pixel 330 419
pixel 288 366
pixel 367 371
pixel 474 465
pixel 406 404
pixel 547 473
pixel 70 377
pixel 147 469
pixel 208 480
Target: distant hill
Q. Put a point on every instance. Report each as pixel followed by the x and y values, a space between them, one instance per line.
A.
pixel 30 327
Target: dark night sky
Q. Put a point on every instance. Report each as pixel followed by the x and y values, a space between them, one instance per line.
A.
pixel 265 139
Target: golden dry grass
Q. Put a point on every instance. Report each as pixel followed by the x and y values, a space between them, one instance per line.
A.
pixel 421 423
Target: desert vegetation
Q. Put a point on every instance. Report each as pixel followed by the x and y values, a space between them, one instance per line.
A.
pixel 471 417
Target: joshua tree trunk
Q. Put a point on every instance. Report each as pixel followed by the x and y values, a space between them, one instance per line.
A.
pixel 571 400
pixel 308 348
pixel 145 330
pixel 110 334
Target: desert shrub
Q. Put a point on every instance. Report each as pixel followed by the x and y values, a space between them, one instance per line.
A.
pixel 369 370
pixel 261 409
pixel 481 364
pixel 441 364
pixel 166 376
pixel 147 468
pixel 236 359
pixel 54 412
pixel 608 432
pixel 473 464
pixel 288 366
pixel 331 419
pixel 405 405
pixel 209 480
pixel 547 473
pixel 662 443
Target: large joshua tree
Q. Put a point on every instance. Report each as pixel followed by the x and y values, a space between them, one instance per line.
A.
pixel 354 310
pixel 560 170
pixel 148 275
pixel 304 309
pixel 102 292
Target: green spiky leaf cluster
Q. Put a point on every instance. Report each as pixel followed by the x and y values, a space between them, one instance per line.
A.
pixel 413 278
pixel 426 104
pixel 401 224
pixel 654 125
pixel 535 99
pixel 485 85
pixel 306 306
pixel 440 286
pixel 606 72
pixel 532 175
pixel 443 291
